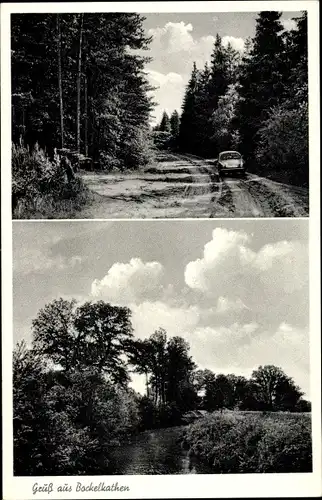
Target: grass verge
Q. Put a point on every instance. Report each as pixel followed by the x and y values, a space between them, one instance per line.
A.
pixel 47 206
pixel 41 188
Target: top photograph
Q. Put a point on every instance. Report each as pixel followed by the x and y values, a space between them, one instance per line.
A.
pixel 159 116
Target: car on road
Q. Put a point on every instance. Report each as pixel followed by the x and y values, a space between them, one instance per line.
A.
pixel 230 162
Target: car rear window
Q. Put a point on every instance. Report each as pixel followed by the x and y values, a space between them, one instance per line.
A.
pixel 230 156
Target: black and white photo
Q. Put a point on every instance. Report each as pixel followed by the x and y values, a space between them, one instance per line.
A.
pixel 163 115
pixel 180 355
pixel 160 195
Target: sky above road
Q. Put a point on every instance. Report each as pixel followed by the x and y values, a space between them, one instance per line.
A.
pixel 237 291
pixel 179 39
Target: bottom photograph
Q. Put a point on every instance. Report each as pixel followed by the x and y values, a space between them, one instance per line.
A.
pixel 164 347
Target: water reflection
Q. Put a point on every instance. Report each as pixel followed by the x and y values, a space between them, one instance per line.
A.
pixel 155 452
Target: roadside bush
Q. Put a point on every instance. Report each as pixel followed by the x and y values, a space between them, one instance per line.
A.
pixel 233 443
pixel 40 186
pixel 283 143
pixel 161 139
pixel 136 150
pixel 33 173
pixel 108 162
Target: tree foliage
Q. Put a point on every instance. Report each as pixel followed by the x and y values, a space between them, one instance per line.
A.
pixel 78 81
pixel 255 101
pixel 168 370
pixel 274 389
pixel 93 335
pixel 71 395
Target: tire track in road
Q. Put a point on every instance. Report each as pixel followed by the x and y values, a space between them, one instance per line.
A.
pixel 287 200
pixel 243 203
pixel 185 186
pixel 214 186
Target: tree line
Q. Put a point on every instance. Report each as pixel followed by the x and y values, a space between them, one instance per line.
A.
pixel 71 393
pixel 165 134
pixel 78 84
pixel 255 102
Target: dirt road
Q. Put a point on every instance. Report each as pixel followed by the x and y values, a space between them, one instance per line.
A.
pixel 182 186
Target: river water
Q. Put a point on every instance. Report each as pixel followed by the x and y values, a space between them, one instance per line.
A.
pixel 154 452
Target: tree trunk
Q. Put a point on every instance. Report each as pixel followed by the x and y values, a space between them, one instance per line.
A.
pixel 85 55
pixel 147 384
pixel 60 86
pixel 86 115
pixel 78 82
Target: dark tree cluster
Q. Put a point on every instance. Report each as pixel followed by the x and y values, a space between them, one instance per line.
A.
pixel 71 395
pixel 169 376
pixel 256 102
pixel 78 84
pixel 166 133
pixel 268 389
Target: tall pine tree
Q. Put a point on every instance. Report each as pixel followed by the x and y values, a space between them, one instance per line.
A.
pixel 78 81
pixel 261 78
pixel 188 124
pixel 165 125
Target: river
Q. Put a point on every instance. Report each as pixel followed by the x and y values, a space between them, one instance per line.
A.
pixel 155 452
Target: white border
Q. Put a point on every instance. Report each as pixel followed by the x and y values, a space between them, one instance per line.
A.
pixel 181 486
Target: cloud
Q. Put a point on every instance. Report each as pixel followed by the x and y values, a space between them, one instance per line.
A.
pixel 222 254
pixel 236 348
pixel 173 36
pixel 225 305
pixel 236 43
pixel 241 348
pixel 174 46
pixel 129 282
pixel 39 260
pixel 173 49
pixel 169 91
pixel 269 282
pixel 289 24
pixel 148 316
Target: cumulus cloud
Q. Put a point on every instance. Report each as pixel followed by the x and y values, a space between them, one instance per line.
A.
pixel 242 348
pixel 129 282
pixel 174 46
pixel 168 93
pixel 261 280
pixel 236 348
pixel 289 24
pixel 148 316
pixel 173 49
pixel 173 36
pixel 224 253
pixel 236 43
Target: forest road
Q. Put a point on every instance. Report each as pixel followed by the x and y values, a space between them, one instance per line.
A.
pixel 185 186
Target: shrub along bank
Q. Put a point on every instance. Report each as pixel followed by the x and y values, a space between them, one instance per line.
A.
pixel 252 442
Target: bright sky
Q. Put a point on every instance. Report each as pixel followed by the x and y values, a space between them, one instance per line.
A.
pixel 179 39
pixel 237 291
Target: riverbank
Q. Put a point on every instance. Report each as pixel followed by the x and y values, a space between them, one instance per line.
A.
pixel 156 451
pixel 245 442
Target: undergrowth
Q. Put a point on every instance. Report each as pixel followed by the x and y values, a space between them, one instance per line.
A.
pixel 247 442
pixel 41 189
